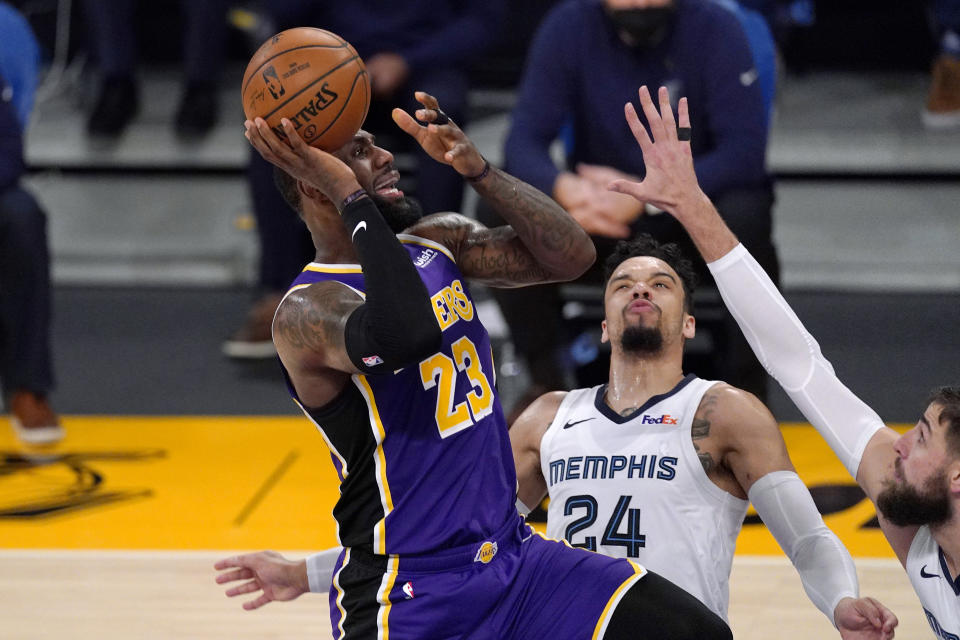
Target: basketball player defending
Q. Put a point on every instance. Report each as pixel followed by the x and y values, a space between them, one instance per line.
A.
pixel 382 349
pixel 914 478
pixel 658 467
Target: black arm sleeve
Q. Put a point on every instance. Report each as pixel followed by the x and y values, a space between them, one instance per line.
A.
pixel 395 326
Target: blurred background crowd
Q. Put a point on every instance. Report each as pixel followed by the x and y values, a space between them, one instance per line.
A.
pixel 135 223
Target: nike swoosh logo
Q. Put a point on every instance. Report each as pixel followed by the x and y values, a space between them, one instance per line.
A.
pixel 924 574
pixel 573 422
pixel 360 225
pixel 747 78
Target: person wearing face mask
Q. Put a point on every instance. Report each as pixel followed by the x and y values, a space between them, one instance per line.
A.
pixel 582 66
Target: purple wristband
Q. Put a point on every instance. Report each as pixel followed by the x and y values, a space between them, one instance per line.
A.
pixel 356 195
pixel 483 174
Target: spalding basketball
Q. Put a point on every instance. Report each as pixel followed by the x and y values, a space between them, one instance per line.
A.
pixel 315 79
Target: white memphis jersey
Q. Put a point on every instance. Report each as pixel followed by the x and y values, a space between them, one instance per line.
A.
pixel 938 592
pixel 634 487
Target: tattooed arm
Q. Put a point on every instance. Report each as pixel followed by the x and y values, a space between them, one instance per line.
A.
pixel 501 256
pixel 540 243
pixel 737 439
pixel 540 232
pixel 308 332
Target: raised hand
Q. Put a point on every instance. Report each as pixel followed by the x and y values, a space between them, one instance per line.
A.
pixel 440 137
pixel 267 571
pixel 322 170
pixel 670 177
pixel 864 619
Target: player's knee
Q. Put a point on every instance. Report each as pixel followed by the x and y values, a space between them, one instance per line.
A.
pixel 701 624
pixel 654 607
pixel 713 629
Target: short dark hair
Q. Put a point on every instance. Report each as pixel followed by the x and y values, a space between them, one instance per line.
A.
pixel 644 245
pixel 949 399
pixel 287 185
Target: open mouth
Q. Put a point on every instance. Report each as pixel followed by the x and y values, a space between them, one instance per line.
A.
pixel 386 187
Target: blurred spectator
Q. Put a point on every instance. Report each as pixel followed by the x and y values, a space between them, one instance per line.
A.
pixel 422 45
pixel 943 101
pixel 587 59
pixel 26 370
pixel 114 42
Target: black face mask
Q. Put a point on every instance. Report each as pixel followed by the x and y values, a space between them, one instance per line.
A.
pixel 642 28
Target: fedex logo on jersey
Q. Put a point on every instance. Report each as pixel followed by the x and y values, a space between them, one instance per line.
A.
pixel 664 419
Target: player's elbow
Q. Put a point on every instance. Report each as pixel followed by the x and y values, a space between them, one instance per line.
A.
pixel 580 258
pixel 379 342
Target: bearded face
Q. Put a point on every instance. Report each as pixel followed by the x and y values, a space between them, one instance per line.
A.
pixel 640 340
pixel 400 214
pixel 905 505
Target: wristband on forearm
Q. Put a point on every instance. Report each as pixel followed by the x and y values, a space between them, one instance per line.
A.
pixel 353 197
pixel 395 325
pixel 483 174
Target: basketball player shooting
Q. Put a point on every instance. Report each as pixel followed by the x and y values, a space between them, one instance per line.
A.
pixel 914 478
pixel 382 349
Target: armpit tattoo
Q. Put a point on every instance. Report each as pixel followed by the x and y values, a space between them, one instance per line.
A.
pixel 700 428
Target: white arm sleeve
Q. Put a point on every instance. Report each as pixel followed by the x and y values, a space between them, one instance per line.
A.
pixel 320 569
pixel 824 564
pixel 793 357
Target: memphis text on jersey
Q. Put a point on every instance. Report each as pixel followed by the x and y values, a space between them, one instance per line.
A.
pixel 612 468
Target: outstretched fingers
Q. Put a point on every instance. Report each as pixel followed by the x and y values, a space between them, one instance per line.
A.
pixel 232 562
pixel 653 116
pixel 639 131
pixel 406 122
pixel 683 113
pixel 237 574
pixel 630 188
pixel 666 115
pixel 256 604
pixel 246 587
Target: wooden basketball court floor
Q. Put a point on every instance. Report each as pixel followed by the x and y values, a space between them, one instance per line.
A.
pixel 113 533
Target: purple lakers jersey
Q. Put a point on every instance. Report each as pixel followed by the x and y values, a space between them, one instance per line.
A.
pixel 422 453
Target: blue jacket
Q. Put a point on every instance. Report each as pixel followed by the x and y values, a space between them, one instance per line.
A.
pixel 579 74
pixel 19 60
pixel 19 56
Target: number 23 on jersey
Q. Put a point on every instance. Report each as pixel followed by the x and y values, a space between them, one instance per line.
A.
pixel 441 371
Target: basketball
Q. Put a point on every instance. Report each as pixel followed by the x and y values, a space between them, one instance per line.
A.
pixel 312 77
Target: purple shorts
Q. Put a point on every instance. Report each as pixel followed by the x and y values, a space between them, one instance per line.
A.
pixel 516 585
